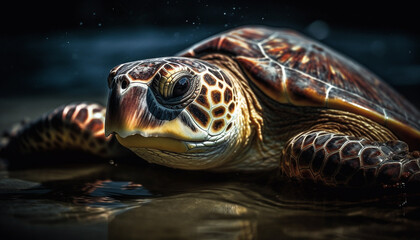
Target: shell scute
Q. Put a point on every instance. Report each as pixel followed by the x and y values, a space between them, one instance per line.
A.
pixel 267 74
pixel 303 90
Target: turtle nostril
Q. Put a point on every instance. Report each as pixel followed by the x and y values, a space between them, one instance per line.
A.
pixel 124 84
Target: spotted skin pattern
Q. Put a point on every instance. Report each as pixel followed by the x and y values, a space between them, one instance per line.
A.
pixel 211 109
pixel 72 127
pixel 337 159
pixel 296 70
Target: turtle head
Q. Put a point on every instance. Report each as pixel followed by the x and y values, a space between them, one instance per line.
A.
pixel 178 112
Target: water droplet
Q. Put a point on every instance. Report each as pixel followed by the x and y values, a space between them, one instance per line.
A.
pixel 226 25
pixel 224 13
pixel 262 19
pixel 94 13
pixel 99 24
pixel 81 23
pixel 111 162
pixel 186 20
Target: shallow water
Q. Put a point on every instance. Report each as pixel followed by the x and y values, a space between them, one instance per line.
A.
pixel 149 202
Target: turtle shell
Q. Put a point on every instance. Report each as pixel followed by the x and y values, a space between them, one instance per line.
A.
pixel 293 69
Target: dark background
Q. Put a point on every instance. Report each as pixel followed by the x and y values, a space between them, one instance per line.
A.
pixel 68 47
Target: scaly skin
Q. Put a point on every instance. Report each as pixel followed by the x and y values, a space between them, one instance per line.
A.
pixel 337 159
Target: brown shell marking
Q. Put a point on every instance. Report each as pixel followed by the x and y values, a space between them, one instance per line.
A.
pixel 293 69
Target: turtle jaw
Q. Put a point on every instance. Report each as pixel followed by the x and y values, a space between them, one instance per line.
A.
pixel 160 143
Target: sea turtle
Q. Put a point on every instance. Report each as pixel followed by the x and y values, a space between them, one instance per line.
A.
pixel 249 99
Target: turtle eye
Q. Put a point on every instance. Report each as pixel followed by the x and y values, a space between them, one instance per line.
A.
pixel 177 91
pixel 181 87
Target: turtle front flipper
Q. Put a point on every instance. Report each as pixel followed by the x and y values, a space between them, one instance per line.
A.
pixel 71 131
pixel 337 159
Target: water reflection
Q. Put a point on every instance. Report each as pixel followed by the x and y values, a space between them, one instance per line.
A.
pixel 218 213
pixel 151 202
pixel 104 192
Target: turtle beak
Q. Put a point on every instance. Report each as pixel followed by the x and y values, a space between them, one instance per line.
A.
pixel 133 115
pixel 122 100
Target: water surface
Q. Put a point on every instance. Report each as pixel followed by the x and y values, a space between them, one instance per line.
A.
pixel 141 201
